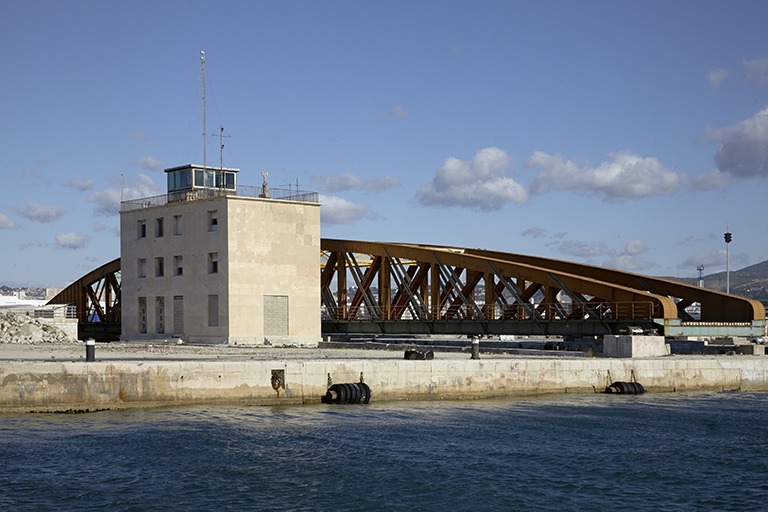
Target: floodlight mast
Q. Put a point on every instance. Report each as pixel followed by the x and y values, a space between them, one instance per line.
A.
pixel 728 238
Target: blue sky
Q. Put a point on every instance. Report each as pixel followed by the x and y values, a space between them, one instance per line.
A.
pixel 624 134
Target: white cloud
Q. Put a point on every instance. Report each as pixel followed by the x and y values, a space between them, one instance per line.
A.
pixel 534 232
pixel 6 222
pixel 107 201
pixel 335 210
pixel 481 184
pixel 150 163
pixel 627 262
pixel 41 212
pixel 98 226
pixel 716 76
pixel 26 245
pixel 743 148
pixel 582 249
pixel 82 185
pixel 72 240
pixel 756 70
pixel 710 180
pixel 635 246
pixel 398 111
pixel 628 259
pixel 626 176
pixel 714 259
pixel 139 135
pixel 348 181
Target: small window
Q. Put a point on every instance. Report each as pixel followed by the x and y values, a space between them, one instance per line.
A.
pixel 177 225
pixel 142 229
pixel 159 227
pixel 142 268
pixel 178 265
pixel 213 220
pixel 213 311
pixel 213 263
pixel 159 267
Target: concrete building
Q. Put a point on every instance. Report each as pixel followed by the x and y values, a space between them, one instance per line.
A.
pixel 215 262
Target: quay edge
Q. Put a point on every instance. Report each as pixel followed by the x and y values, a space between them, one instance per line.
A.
pixel 80 386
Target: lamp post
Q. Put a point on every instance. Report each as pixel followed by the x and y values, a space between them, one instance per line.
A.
pixel 728 238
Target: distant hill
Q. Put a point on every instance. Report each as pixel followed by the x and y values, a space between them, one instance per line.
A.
pixel 750 282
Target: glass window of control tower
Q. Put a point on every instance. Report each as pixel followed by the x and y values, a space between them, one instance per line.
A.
pixel 179 180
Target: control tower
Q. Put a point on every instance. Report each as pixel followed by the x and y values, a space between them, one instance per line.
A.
pixel 212 261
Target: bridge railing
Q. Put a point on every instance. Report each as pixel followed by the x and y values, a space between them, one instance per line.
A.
pixel 515 311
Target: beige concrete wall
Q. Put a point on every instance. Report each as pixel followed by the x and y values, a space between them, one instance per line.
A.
pixel 274 249
pixel 194 245
pixel 264 247
pixel 634 346
pixel 61 386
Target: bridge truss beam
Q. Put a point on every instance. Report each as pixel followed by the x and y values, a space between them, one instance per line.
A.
pixel 440 290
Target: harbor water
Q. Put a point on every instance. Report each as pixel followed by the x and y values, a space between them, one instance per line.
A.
pixel 694 451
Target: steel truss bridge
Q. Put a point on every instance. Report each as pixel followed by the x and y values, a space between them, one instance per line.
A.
pixel 395 288
pixel 420 289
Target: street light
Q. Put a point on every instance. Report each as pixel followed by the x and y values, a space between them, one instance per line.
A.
pixel 728 238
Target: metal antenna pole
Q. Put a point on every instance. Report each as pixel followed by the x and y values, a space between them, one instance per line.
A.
pixel 202 60
pixel 221 154
pixel 728 238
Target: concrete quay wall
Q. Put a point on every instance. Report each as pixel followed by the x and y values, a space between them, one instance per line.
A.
pixel 80 386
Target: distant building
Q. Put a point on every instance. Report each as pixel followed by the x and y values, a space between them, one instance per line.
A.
pixel 215 262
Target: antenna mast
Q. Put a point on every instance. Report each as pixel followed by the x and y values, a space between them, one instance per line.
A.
pixel 221 144
pixel 202 60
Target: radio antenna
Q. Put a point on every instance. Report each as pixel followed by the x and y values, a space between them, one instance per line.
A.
pixel 202 61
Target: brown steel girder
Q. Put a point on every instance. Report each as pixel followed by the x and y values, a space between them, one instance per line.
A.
pixel 620 302
pixel 88 299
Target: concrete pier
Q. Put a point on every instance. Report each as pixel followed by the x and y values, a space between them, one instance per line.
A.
pixel 27 386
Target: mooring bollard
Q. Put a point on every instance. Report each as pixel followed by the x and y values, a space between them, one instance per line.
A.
pixel 90 350
pixel 475 347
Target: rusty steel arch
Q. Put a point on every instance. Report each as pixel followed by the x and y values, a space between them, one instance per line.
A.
pixel 97 299
pixel 431 289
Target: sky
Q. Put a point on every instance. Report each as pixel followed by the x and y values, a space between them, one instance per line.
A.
pixel 626 134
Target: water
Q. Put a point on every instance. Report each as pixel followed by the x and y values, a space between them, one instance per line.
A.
pixel 658 452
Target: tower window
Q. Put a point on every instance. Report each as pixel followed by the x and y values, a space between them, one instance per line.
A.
pixel 213 220
pixel 213 263
pixel 159 227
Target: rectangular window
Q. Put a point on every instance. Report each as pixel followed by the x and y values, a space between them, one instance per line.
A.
pixel 142 229
pixel 178 265
pixel 213 311
pixel 142 268
pixel 142 315
pixel 159 267
pixel 177 225
pixel 159 227
pixel 213 220
pixel 213 263
pixel 160 315
pixel 229 180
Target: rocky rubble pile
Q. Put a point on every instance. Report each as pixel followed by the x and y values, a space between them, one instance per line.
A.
pixel 20 328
